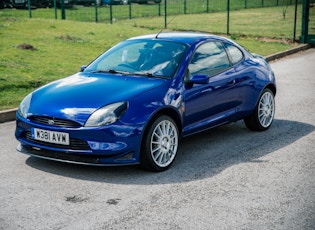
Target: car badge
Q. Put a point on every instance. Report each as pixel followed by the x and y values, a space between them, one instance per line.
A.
pixel 51 122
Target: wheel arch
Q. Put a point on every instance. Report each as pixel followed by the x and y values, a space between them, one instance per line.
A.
pixel 171 112
pixel 175 116
pixel 270 86
pixel 273 88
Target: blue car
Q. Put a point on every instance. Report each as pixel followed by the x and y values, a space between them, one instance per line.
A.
pixel 134 103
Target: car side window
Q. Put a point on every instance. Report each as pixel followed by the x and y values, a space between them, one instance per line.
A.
pixel 210 59
pixel 235 54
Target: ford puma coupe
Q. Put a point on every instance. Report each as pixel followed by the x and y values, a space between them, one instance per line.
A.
pixel 133 103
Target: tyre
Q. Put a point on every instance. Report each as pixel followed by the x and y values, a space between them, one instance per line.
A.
pixel 263 115
pixel 160 145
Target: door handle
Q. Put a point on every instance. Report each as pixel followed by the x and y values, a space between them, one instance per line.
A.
pixel 231 82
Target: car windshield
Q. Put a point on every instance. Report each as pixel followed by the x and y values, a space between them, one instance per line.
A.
pixel 153 58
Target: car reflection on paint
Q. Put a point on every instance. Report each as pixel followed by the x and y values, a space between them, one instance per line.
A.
pixel 133 103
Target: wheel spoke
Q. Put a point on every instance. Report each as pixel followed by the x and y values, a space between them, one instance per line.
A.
pixel 163 128
pixel 164 143
pixel 266 109
pixel 158 132
pixel 160 156
pixel 163 159
pixel 155 149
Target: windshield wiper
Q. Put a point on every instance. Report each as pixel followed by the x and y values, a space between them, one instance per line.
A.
pixel 111 71
pixel 143 73
pixel 148 74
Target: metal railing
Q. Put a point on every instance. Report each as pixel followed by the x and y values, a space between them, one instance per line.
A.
pixel 155 14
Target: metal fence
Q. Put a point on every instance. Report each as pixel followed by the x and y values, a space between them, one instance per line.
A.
pixel 276 18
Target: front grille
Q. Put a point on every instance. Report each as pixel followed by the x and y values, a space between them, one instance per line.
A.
pixel 55 122
pixel 75 144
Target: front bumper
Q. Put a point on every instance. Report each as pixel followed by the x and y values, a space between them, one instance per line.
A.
pixel 117 144
pixel 82 159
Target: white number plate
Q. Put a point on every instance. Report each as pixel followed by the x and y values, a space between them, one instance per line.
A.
pixel 51 136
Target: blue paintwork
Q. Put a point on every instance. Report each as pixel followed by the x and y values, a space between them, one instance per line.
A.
pixel 229 96
pixel 76 97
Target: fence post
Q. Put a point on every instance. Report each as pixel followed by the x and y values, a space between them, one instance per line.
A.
pixel 228 18
pixel 130 11
pixel 111 14
pixel 295 18
pixel 165 14
pixel 185 6
pixel 29 8
pixel 305 21
pixel 96 12
pixel 207 6
pixel 55 8
pixel 63 11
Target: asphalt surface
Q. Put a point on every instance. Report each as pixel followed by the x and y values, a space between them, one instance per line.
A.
pixel 226 178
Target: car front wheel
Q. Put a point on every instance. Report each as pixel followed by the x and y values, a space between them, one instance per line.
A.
pixel 160 146
pixel 264 112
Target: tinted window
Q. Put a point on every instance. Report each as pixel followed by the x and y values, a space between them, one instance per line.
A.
pixel 210 58
pixel 235 53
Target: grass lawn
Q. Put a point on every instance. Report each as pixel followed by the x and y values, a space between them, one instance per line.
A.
pixel 36 51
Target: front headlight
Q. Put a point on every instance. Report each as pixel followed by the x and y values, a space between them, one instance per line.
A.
pixel 25 106
pixel 107 114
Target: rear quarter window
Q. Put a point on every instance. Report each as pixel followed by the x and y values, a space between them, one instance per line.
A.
pixel 236 54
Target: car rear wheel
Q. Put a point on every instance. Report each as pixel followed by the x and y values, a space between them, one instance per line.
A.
pixel 264 112
pixel 160 146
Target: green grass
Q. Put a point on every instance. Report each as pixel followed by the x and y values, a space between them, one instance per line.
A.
pixel 266 22
pixel 143 10
pixel 61 47
pixel 254 20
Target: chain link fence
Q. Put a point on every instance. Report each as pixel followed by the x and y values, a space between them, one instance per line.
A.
pixel 271 18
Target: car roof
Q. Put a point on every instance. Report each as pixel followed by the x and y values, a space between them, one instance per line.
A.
pixel 183 37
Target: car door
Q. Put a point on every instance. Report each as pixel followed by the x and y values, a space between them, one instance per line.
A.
pixel 245 78
pixel 213 102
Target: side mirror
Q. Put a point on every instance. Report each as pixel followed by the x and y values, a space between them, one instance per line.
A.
pixel 200 79
pixel 83 68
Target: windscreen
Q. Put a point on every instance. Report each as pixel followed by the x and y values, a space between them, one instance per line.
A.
pixel 141 57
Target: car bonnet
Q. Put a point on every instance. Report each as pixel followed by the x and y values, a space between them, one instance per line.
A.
pixel 78 96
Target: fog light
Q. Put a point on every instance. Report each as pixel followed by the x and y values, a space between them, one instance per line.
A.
pixel 117 146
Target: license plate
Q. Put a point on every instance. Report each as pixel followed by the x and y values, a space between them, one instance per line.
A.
pixel 51 136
